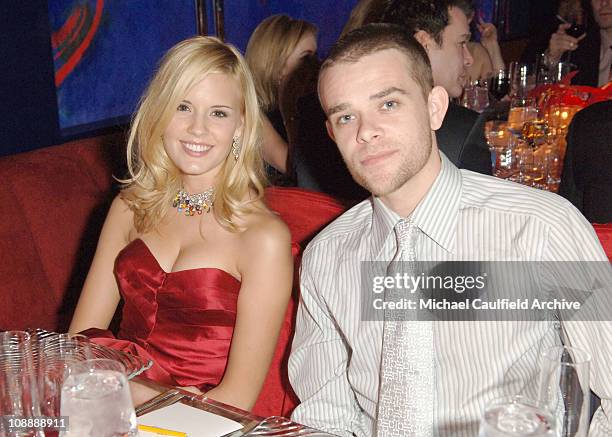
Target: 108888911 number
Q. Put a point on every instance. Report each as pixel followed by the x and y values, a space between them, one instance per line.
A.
pixel 20 423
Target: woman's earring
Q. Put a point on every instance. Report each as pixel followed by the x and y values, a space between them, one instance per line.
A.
pixel 236 147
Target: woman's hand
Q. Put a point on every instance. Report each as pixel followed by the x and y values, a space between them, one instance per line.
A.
pixel 488 35
pixel 560 42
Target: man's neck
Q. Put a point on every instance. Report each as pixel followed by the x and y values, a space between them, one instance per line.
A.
pixel 405 199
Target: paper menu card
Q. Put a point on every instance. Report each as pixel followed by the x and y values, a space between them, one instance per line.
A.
pixel 190 420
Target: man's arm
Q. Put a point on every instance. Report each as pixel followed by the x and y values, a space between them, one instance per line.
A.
pixel 318 360
pixel 585 267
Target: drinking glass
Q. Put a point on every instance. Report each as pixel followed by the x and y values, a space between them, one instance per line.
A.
pixel 522 109
pixel 56 354
pixel 543 71
pixel 499 84
pixel 96 398
pixel 18 389
pixel 476 96
pixel 516 416
pixel 525 163
pixel 560 70
pixel 521 79
pixel 564 389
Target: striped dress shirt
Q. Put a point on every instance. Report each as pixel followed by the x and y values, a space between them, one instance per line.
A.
pixel 335 361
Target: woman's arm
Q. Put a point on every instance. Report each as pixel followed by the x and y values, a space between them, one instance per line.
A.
pixel 488 39
pixel 275 149
pixel 266 267
pixel 100 296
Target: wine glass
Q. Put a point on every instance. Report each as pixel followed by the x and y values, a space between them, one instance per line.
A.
pixel 516 416
pixel 96 398
pixel 499 84
pixel 564 389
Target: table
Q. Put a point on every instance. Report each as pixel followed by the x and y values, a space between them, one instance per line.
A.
pixel 143 390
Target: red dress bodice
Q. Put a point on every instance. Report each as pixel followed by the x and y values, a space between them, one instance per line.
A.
pixel 182 320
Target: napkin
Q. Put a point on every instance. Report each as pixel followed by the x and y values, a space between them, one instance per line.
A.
pixel 190 420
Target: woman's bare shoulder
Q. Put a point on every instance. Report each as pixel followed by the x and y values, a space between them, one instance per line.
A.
pixel 121 217
pixel 263 226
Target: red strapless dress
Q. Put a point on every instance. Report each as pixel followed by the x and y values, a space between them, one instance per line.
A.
pixel 182 320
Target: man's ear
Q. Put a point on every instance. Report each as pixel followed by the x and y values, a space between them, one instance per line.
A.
pixel 437 104
pixel 424 39
pixel 330 132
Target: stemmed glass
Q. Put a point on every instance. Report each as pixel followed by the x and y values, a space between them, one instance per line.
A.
pixel 97 400
pixel 564 389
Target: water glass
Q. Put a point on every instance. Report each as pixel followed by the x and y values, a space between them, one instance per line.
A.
pixel 476 96
pixel 554 167
pixel 18 388
pixel 522 110
pixel 516 416
pixel 564 389
pixel 96 398
pixel 56 354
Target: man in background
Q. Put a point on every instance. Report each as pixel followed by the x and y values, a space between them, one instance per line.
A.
pixel 442 27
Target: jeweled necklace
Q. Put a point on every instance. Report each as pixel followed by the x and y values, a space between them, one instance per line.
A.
pixel 191 204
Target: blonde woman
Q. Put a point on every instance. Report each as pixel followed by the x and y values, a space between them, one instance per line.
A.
pixel 203 267
pixel 276 48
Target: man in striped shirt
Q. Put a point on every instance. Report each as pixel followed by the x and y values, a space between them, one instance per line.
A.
pixel 382 110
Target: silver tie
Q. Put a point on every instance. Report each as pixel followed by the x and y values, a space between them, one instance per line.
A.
pixel 406 397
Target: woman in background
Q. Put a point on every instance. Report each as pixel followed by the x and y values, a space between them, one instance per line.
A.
pixel 276 48
pixel 203 267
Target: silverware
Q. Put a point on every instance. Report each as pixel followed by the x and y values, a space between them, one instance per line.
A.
pixel 161 400
pixel 279 426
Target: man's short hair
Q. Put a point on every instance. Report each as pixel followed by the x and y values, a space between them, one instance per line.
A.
pixel 431 16
pixel 375 37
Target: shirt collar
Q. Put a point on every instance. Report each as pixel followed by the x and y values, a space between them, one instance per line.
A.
pixel 436 214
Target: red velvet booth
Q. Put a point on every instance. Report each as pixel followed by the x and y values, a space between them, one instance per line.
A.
pixel 55 201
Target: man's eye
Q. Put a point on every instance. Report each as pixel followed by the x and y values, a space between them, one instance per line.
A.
pixel 390 104
pixel 182 107
pixel 344 119
pixel 219 114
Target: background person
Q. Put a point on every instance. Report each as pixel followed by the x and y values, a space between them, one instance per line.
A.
pixel 443 28
pixel 203 267
pixel 276 48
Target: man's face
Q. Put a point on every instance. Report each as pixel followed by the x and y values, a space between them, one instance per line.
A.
pixel 379 118
pixel 449 61
pixel 602 11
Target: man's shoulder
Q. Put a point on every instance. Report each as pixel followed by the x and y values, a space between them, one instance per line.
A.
pixel 506 197
pixel 350 224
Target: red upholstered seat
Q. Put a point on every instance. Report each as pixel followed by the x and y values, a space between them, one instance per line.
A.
pixel 306 213
pixel 604 232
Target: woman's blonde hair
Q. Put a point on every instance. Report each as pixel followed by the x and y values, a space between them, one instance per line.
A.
pixel 270 45
pixel 153 178
pixel 364 12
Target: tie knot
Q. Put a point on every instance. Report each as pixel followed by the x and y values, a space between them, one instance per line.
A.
pixel 405 234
